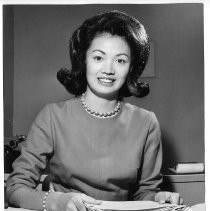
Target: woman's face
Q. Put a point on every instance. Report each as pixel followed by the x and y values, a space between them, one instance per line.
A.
pixel 108 61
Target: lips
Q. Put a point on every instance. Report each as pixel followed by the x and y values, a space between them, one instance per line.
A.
pixel 106 81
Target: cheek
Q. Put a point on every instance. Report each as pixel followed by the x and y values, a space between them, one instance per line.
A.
pixel 89 69
pixel 123 73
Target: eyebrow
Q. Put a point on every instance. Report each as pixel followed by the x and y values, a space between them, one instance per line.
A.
pixel 120 54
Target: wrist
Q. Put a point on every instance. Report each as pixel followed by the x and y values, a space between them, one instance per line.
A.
pixel 156 197
pixel 52 201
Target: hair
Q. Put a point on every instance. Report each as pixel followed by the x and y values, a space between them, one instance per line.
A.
pixel 114 23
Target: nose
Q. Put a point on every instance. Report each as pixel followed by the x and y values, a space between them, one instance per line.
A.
pixel 109 67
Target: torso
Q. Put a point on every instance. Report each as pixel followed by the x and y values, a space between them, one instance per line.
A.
pixel 99 157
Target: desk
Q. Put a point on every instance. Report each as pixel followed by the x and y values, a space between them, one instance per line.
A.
pixel 190 186
pixel 198 207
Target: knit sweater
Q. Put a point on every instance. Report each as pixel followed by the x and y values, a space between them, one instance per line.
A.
pixel 117 158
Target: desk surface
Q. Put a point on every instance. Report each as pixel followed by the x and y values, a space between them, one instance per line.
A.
pixel 197 207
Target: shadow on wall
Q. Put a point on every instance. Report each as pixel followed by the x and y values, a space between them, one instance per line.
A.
pixel 170 155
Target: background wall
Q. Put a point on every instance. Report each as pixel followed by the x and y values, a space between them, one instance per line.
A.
pixel 41 36
pixel 8 70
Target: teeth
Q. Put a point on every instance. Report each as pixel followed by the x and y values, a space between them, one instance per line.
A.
pixel 106 80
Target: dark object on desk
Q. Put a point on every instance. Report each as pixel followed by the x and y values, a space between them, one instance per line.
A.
pixel 12 151
pixel 46 184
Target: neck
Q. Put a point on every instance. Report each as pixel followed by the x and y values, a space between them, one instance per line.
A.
pixel 100 104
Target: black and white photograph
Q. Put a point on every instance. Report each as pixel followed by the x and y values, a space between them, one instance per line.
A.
pixel 104 107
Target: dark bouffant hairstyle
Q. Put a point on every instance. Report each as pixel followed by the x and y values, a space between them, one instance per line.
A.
pixel 114 23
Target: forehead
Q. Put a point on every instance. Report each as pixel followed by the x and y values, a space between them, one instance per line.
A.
pixel 109 42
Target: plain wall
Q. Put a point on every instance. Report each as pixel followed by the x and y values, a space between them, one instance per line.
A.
pixel 41 36
pixel 8 68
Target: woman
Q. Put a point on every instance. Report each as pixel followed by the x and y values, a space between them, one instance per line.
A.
pixel 97 146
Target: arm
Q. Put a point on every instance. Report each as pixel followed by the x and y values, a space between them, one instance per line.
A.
pixel 28 168
pixel 56 201
pixel 150 176
pixel 35 154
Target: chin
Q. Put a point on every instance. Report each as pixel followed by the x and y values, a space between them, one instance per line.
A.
pixel 107 94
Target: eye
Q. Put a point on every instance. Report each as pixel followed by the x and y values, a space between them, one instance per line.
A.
pixel 98 58
pixel 121 61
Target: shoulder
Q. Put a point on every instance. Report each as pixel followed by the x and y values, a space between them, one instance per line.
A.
pixel 59 108
pixel 62 105
pixel 139 112
pixel 140 116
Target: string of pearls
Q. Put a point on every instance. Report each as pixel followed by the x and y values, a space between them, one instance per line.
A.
pixel 112 113
pixel 45 199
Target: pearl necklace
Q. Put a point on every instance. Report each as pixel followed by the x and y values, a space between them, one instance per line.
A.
pixel 112 113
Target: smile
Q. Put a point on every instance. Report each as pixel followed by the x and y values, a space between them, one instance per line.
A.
pixel 106 81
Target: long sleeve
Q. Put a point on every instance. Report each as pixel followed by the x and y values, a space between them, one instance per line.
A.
pixel 105 159
pixel 34 154
pixel 150 177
